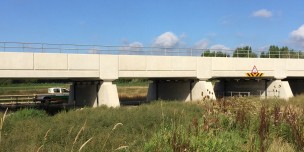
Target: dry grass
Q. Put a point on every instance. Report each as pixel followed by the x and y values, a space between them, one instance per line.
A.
pixel 2 123
pixel 279 145
pixel 132 93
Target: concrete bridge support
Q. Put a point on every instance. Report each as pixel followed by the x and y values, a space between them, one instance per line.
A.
pixel 184 90
pixel 94 94
pixel 261 87
pixel 278 88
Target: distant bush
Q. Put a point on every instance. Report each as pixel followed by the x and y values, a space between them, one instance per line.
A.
pixel 27 114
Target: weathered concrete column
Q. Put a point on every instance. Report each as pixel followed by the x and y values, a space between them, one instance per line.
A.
pixel 72 94
pixel 94 94
pixel 188 90
pixel 152 91
pixel 278 88
pixel 202 90
pixel 108 95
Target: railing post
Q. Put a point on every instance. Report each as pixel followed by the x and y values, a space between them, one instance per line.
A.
pixel 42 50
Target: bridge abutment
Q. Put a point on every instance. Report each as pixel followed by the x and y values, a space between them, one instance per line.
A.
pixel 184 90
pixel 94 94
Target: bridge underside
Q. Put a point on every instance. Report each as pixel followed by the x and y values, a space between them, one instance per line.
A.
pixel 264 88
pixel 97 93
pixel 183 90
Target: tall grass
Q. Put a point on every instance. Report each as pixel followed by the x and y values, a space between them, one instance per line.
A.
pixel 101 132
pixel 2 119
pixel 237 124
pixel 233 124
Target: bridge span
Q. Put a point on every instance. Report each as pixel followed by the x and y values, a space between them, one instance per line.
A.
pixel 174 77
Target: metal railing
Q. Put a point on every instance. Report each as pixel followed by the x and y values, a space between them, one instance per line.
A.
pixel 258 93
pixel 9 99
pixel 132 50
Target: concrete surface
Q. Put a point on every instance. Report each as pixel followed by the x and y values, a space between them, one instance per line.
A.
pixel 192 74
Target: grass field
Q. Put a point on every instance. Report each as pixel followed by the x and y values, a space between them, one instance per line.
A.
pixel 234 124
pixel 26 89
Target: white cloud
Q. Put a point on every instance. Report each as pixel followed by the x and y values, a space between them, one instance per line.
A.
pixel 136 44
pixel 167 40
pixel 202 44
pixel 263 13
pixel 219 47
pixel 297 36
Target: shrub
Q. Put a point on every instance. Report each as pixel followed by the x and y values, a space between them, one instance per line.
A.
pixel 27 114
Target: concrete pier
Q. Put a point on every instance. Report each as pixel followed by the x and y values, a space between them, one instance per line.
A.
pixel 94 94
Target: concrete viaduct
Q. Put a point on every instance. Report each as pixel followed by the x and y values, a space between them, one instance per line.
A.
pixel 174 77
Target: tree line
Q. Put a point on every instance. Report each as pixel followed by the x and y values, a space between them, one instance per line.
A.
pixel 246 51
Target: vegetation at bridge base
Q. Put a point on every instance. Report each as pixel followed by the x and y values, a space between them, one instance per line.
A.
pixel 234 124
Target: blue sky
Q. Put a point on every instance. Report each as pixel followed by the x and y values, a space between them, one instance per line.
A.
pixel 164 23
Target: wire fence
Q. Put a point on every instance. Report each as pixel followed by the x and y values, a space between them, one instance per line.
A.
pixel 132 50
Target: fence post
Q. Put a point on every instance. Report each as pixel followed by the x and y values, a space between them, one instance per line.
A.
pixel 42 50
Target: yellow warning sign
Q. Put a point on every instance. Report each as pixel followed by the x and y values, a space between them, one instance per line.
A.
pixel 254 73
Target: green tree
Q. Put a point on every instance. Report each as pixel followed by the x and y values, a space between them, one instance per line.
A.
pixel 283 52
pixel 264 55
pixel 273 51
pixel 245 51
pixel 208 53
